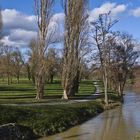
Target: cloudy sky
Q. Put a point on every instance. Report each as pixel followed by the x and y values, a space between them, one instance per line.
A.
pixel 20 23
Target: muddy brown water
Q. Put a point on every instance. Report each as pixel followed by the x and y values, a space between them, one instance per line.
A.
pixel 121 123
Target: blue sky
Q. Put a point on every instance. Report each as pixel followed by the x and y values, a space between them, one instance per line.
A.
pixel 126 11
pixel 27 5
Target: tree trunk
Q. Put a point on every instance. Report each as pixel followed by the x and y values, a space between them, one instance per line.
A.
pixel 33 79
pixel 51 78
pixel 77 82
pixel 28 72
pixel 8 78
pixel 65 95
pixel 18 79
pixel 121 88
pixel 105 90
pixel 106 87
pixel 77 87
pixel 11 80
pixel 40 85
pixel 71 91
pixel 74 88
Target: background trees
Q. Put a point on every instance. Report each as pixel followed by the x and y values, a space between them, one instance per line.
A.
pixel 115 52
pixel 33 60
pixel 11 62
pixel 6 61
pixel 17 63
pixel 52 64
pixel 123 60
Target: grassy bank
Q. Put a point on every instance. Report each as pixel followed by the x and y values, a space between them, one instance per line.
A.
pixel 47 120
pixel 50 119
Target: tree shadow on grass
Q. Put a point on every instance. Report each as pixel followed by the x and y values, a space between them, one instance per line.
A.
pixel 6 88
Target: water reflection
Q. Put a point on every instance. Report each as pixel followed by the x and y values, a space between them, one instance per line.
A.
pixel 118 124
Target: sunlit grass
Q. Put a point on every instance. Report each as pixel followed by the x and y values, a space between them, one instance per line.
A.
pixel 25 91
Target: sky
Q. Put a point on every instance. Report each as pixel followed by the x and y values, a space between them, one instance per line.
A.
pixel 20 23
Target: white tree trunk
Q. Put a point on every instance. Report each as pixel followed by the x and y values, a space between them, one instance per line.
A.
pixel 105 87
pixel 119 89
pixel 65 95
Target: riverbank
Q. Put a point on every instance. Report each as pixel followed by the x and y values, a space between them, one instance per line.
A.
pixel 50 119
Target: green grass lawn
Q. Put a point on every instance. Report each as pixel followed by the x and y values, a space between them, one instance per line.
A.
pixel 25 91
pixel 46 120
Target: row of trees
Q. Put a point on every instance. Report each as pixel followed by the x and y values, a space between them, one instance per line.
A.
pixel 113 52
pixel 11 63
pixel 116 54
pixel 14 63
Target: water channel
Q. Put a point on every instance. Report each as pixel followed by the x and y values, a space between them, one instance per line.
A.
pixel 121 123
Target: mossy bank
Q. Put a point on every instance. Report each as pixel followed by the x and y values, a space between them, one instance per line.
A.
pixel 51 119
pixel 47 120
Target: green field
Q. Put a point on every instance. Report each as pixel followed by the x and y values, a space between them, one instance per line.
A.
pixel 25 91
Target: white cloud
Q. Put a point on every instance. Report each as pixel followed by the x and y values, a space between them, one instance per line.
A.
pixel 14 19
pixel 20 34
pixel 107 7
pixel 57 26
pixel 56 21
pixel 58 17
pixel 135 12
pixel 19 37
pixel 118 9
pixel 19 43
pixel 19 28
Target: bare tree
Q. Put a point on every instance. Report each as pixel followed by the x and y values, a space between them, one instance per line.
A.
pixel 123 60
pixel 6 62
pixel 74 21
pixel 17 63
pixel 101 31
pixel 28 70
pixel 33 59
pixel 83 51
pixel 43 11
pixel 52 64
